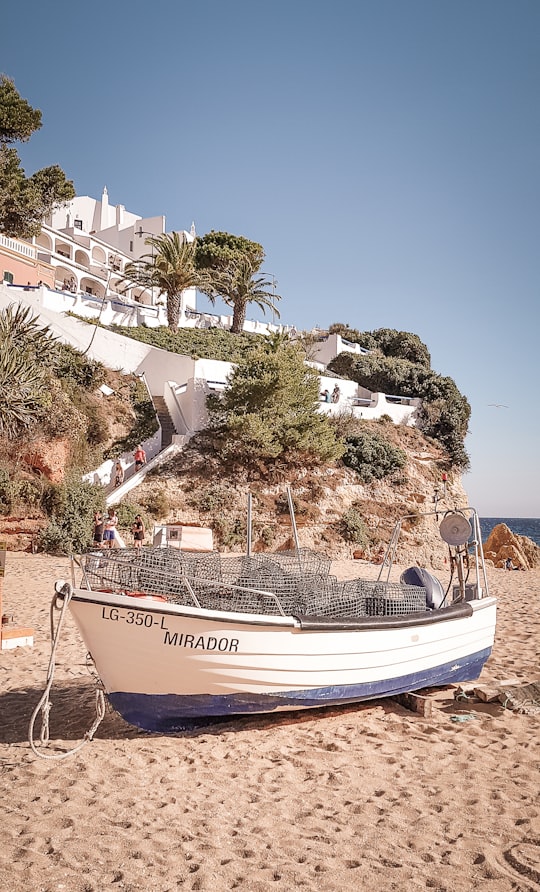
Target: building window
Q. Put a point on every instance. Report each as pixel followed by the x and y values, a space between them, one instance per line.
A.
pixel 77 224
pixel 131 247
pixel 8 277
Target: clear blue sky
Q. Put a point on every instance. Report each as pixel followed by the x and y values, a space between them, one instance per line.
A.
pixel 386 153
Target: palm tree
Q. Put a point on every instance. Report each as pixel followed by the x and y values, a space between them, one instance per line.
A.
pixel 238 287
pixel 170 268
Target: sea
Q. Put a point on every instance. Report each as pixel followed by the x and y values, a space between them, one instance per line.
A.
pixel 523 526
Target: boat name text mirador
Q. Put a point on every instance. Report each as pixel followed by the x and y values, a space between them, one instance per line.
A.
pixel 225 645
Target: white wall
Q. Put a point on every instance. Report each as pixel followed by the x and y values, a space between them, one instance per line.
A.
pixel 331 346
pixel 360 403
pixel 115 351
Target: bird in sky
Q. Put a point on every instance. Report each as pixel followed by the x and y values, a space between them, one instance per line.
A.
pixel 498 405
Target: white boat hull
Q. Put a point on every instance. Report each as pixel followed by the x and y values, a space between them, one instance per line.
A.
pixel 163 665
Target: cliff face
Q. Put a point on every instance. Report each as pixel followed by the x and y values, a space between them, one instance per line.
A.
pixel 328 501
pixel 335 512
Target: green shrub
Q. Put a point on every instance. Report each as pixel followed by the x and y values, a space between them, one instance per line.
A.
pixel 28 493
pixel 445 412
pixel 372 456
pixel 126 513
pixel 269 412
pixel 78 369
pixel 388 341
pixel 212 343
pixel 70 507
pixel 353 528
pixel 214 498
pixel 267 536
pixel 157 503
pixel 97 431
pixel 231 533
pixel 7 492
pixel 17 494
pixel 52 539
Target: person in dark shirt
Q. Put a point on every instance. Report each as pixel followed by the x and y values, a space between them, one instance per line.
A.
pixel 137 528
pixel 98 529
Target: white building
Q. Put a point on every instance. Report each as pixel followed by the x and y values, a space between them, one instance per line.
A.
pixel 89 243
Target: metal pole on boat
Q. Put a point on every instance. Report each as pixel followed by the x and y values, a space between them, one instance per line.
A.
pixel 479 553
pixel 459 565
pixel 293 521
pixel 249 501
pixel 390 552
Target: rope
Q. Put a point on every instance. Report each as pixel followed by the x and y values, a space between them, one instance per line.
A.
pixel 45 704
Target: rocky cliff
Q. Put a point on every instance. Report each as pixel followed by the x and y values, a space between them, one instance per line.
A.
pixel 335 512
pixel 502 545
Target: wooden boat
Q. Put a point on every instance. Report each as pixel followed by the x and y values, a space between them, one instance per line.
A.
pixel 177 636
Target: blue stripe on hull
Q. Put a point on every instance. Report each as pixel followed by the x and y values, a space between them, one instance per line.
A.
pixel 175 712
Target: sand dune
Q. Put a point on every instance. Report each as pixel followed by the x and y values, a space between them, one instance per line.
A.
pixel 363 797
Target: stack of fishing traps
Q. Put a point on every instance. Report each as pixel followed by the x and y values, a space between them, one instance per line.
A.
pixel 295 583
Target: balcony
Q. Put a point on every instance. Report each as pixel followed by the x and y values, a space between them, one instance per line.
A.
pixel 18 247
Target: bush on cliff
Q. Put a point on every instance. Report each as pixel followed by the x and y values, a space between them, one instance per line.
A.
pixel 372 456
pixel 70 507
pixel 391 343
pixel 445 412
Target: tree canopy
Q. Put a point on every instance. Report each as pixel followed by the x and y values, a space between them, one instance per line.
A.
pixel 228 265
pixel 220 250
pixel 18 120
pixel 239 286
pixel 269 410
pixel 24 201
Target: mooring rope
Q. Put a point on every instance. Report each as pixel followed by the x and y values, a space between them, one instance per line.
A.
pixel 45 704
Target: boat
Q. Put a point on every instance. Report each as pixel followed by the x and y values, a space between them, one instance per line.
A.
pixel 178 636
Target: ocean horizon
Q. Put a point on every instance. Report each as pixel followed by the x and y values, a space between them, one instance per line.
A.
pixel 523 526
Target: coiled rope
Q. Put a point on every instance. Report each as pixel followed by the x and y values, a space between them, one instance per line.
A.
pixel 45 704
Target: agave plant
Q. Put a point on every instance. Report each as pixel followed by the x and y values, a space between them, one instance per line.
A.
pixel 26 355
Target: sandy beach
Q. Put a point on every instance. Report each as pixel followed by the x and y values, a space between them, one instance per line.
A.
pixel 370 797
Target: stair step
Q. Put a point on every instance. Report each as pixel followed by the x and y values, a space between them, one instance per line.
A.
pixel 167 427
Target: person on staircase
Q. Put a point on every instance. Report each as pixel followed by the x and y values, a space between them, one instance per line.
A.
pixel 118 474
pixel 140 458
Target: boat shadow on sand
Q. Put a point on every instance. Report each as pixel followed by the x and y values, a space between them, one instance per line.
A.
pixel 73 711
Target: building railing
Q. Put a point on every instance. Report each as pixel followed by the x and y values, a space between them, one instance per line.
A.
pixel 18 247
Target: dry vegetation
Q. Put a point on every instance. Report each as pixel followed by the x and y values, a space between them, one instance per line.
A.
pixel 195 488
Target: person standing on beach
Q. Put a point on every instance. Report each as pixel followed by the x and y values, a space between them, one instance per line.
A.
pixel 98 529
pixel 111 522
pixel 137 528
pixel 140 458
